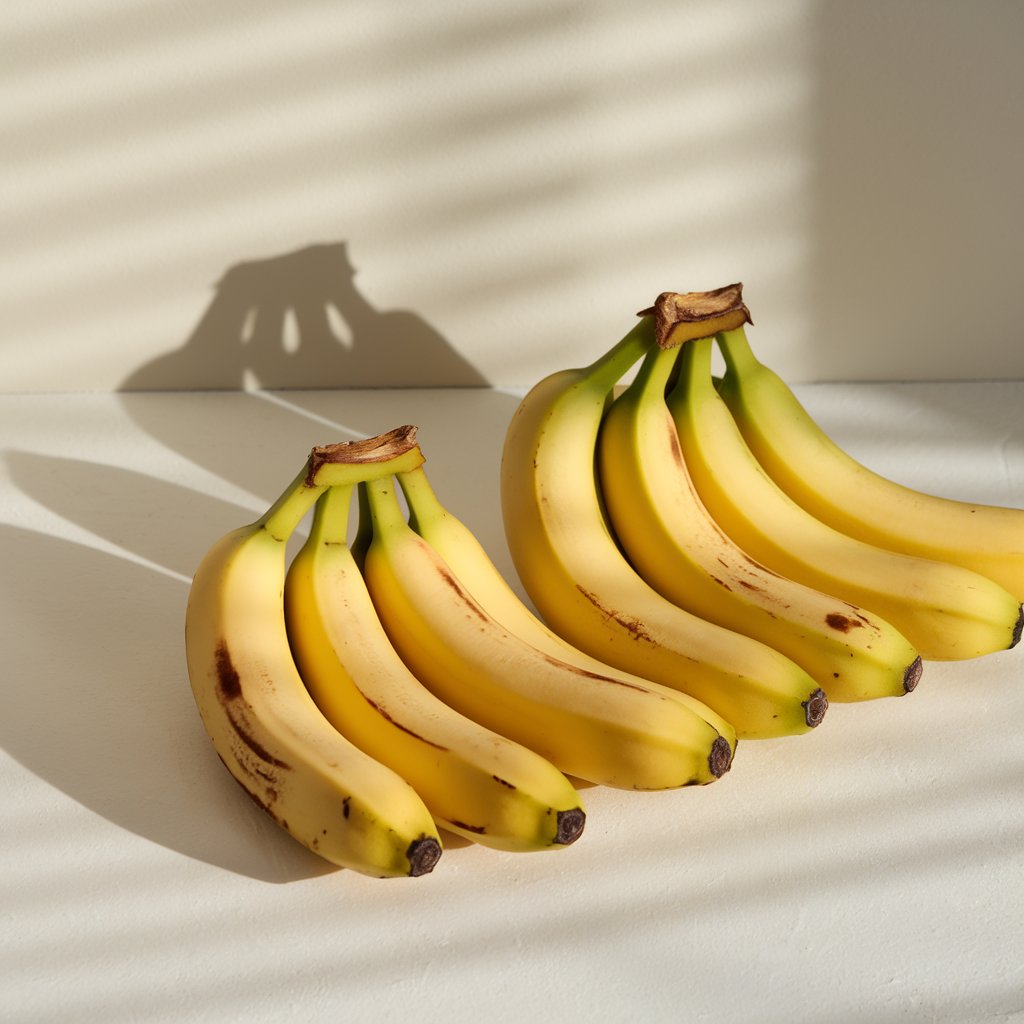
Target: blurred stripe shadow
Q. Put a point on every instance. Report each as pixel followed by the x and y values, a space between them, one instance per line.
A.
pixel 97 704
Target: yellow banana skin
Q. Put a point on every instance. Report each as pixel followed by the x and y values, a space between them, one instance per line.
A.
pixel 476 783
pixel 469 561
pixel 946 611
pixel 581 584
pixel 595 728
pixel 830 484
pixel 329 795
pixel 675 545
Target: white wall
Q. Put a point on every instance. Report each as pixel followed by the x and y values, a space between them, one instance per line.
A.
pixel 519 178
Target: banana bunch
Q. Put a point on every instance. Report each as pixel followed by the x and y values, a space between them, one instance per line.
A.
pixel 706 564
pixel 318 786
pixel 367 694
pixel 706 535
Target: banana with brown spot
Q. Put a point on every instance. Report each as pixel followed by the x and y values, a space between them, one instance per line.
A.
pixel 673 542
pixel 574 572
pixel 320 788
pixel 830 484
pixel 475 782
pixel 596 727
pixel 946 611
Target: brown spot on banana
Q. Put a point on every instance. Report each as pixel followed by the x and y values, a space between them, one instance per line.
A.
pixel 630 623
pixel 228 682
pixel 398 725
pixel 242 732
pixel 842 623
pixel 479 830
pixel 464 596
pixel 588 674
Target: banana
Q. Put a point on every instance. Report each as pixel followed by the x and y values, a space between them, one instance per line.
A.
pixel 459 547
pixel 592 727
pixel 319 787
pixel 946 611
pixel 575 574
pixel 675 545
pixel 830 484
pixel 476 783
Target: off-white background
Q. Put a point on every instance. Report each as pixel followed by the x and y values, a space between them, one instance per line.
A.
pixel 518 177
pixel 198 195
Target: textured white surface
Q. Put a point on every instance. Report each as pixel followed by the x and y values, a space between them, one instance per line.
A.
pixel 868 872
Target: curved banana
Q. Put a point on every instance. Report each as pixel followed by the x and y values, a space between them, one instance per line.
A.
pixel 576 576
pixel 947 612
pixel 675 545
pixel 319 787
pixel 468 560
pixel 820 476
pixel 476 783
pixel 593 727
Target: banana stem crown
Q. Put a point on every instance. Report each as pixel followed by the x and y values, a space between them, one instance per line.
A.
pixel 337 465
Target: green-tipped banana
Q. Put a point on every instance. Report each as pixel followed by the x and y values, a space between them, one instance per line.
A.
pixel 319 787
pixel 830 484
pixel 576 576
pixel 471 564
pixel 946 611
pixel 475 782
pixel 675 545
pixel 596 728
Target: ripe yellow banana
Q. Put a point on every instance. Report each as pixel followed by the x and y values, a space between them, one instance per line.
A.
pixel 576 576
pixel 595 728
pixel 319 787
pixel 466 557
pixel 817 474
pixel 475 782
pixel 946 611
pixel 596 725
pixel 675 545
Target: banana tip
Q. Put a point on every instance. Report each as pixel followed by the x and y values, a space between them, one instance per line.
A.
pixel 570 826
pixel 814 708
pixel 720 758
pixel 912 675
pixel 423 854
pixel 1018 629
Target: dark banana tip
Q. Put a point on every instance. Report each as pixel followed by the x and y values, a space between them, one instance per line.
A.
pixel 423 854
pixel 814 708
pixel 1018 629
pixel 912 676
pixel 570 826
pixel 720 758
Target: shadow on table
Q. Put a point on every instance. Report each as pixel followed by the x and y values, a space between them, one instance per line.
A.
pixel 99 704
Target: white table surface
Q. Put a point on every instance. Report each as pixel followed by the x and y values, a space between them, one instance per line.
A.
pixel 868 872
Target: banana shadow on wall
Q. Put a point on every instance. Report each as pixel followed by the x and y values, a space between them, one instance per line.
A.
pixel 277 333
pixel 298 321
